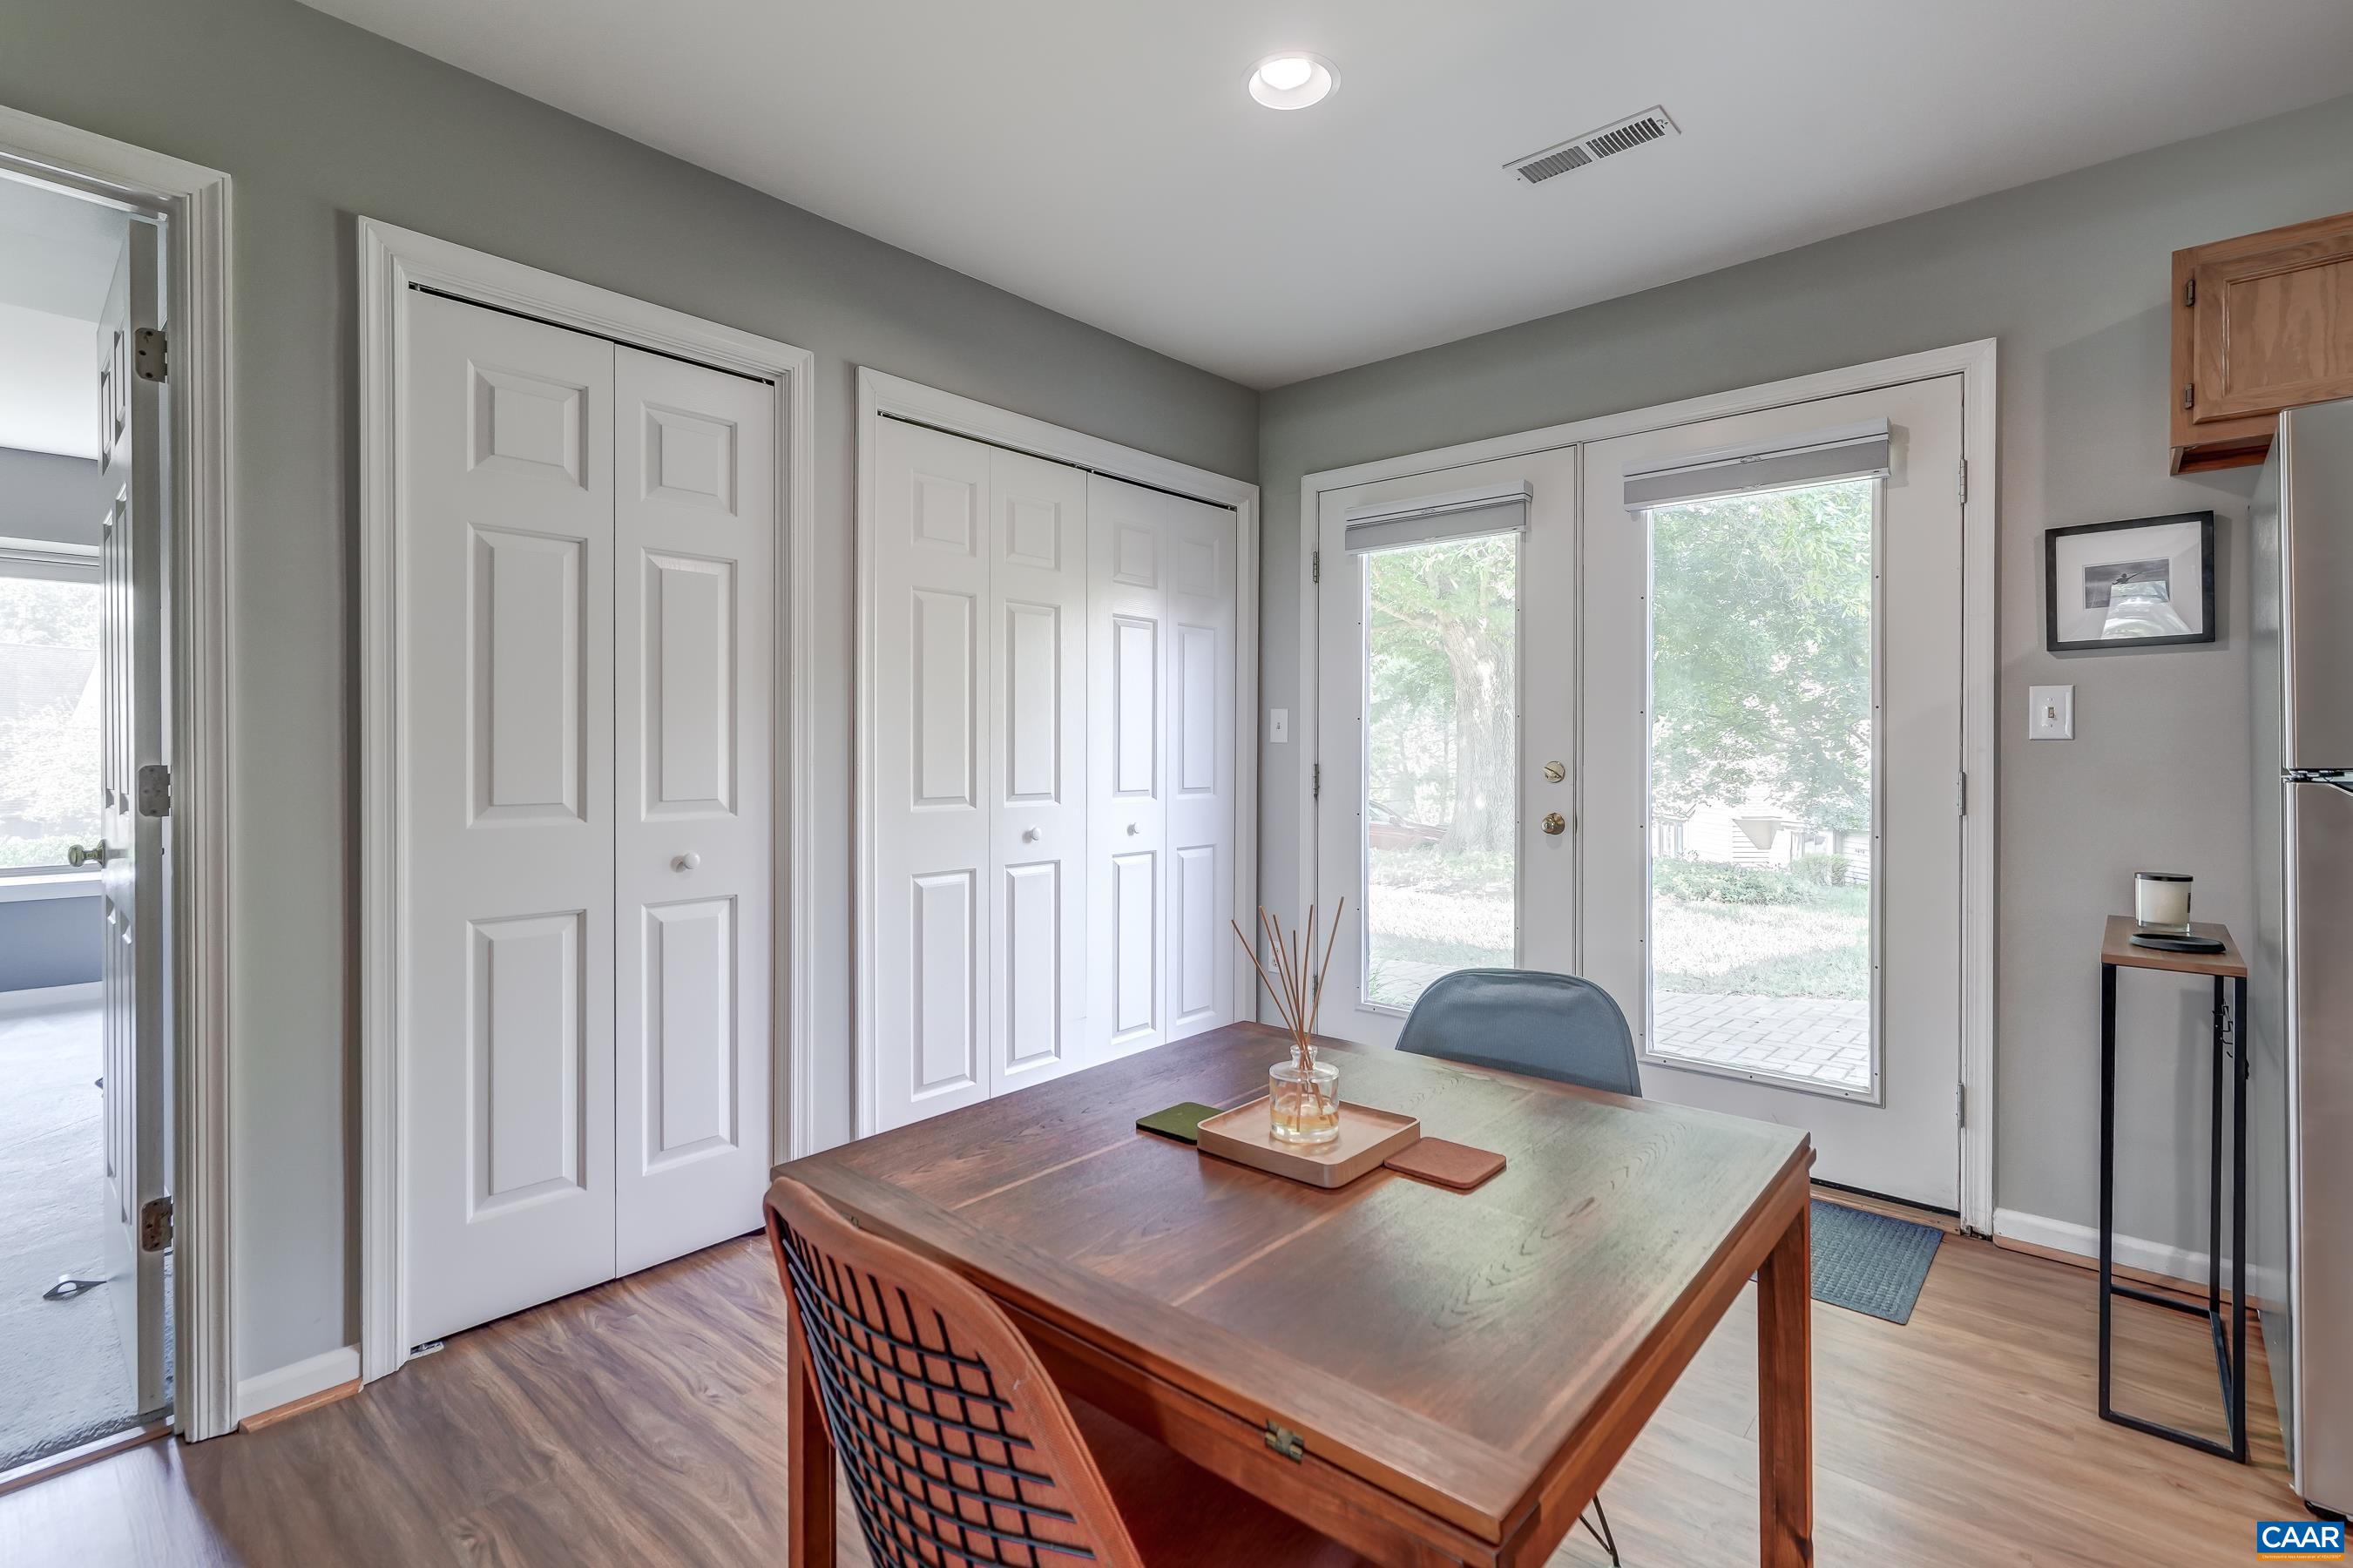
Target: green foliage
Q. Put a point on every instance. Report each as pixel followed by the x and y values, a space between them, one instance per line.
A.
pixel 1822 870
pixel 1714 882
pixel 1441 633
pixel 1760 614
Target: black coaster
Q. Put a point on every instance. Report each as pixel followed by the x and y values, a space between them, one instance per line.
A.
pixel 2176 943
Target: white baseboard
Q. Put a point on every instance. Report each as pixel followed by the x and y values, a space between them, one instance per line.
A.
pixel 265 1392
pixel 2132 1252
pixel 36 998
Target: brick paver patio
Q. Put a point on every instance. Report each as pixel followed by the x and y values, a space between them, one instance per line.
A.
pixel 1828 1041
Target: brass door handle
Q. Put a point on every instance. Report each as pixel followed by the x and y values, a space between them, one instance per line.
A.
pixel 77 855
pixel 1554 823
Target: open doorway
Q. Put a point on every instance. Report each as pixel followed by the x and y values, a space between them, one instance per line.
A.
pixel 83 1306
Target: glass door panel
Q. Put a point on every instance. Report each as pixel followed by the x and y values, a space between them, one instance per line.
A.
pixel 1763 781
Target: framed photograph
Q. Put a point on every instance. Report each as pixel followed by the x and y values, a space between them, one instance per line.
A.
pixel 2146 582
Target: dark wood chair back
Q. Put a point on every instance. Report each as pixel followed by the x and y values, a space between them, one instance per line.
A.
pixel 955 1446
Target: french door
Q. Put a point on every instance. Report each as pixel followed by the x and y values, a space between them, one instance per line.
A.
pixel 1678 712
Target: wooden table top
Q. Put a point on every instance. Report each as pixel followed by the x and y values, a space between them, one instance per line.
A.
pixel 1451 1348
pixel 2115 947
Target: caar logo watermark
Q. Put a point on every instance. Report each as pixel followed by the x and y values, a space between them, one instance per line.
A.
pixel 2300 1540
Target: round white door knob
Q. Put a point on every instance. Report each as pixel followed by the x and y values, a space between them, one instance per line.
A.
pixel 686 862
pixel 1028 836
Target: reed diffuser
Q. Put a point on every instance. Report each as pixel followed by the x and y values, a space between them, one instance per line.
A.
pixel 1303 1094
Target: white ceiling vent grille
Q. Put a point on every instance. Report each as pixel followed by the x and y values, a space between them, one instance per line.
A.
pixel 1651 125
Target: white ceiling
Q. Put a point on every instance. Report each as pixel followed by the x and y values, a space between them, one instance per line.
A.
pixel 1104 159
pixel 56 261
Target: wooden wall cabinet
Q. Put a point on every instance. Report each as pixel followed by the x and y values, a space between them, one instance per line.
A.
pixel 2259 324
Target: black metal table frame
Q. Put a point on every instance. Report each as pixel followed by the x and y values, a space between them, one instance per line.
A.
pixel 2230 1341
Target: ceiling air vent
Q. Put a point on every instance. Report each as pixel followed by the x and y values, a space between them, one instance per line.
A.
pixel 1651 125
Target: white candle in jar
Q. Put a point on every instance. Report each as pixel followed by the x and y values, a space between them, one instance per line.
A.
pixel 2161 900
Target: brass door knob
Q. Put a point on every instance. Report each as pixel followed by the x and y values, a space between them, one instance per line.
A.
pixel 1554 823
pixel 77 855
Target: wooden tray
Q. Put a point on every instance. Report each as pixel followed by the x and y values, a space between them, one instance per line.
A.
pixel 1246 1135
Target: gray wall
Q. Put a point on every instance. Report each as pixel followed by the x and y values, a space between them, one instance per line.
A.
pixel 48 496
pixel 317 122
pixel 2071 276
pixel 50 942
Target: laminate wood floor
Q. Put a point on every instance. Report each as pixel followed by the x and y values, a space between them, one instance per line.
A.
pixel 643 1423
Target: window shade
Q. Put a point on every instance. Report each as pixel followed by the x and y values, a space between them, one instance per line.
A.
pixel 52 563
pixel 1847 452
pixel 1460 514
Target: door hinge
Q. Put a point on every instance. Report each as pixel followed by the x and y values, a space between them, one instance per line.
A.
pixel 2189 394
pixel 1965 481
pixel 1315 791
pixel 2189 292
pixel 1315 567
pixel 149 351
pixel 156 790
pixel 1960 1105
pixel 155 1224
pixel 1961 793
pixel 1286 1442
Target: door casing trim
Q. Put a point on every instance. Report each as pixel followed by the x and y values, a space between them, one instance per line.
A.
pixel 882 396
pixel 1975 364
pixel 390 260
pixel 196 203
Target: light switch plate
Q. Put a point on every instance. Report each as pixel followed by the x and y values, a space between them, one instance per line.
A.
pixel 1278 725
pixel 2050 712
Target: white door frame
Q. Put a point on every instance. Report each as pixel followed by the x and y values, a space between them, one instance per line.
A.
pixel 882 396
pixel 1974 362
pixel 194 202
pixel 391 261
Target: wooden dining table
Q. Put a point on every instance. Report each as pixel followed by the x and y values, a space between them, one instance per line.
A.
pixel 1428 1376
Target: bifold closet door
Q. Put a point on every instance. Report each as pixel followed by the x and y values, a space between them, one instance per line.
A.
pixel 505 998
pixel 1161 759
pixel 978 793
pixel 692 856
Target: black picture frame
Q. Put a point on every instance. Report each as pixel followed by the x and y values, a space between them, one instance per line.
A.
pixel 2055 643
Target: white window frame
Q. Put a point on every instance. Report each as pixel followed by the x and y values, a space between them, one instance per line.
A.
pixel 1975 364
pixel 40 562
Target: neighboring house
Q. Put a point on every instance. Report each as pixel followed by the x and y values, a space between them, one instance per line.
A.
pixel 1756 833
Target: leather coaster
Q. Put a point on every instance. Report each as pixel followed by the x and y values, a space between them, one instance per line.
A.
pixel 1448 1165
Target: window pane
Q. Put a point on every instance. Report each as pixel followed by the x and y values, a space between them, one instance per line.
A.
pixel 1441 760
pixel 1761 748
pixel 49 720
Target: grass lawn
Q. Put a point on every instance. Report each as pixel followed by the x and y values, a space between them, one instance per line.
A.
pixel 1820 947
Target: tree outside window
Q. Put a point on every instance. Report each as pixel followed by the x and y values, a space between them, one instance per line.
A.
pixel 49 720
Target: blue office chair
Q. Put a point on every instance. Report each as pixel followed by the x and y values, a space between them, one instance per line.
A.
pixel 1546 1026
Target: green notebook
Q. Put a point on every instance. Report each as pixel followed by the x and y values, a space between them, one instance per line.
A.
pixel 1182 1122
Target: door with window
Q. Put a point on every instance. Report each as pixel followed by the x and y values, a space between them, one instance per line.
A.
pixel 1446 731
pixel 1772 738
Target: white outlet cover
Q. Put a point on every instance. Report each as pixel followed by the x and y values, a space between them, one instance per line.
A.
pixel 2050 712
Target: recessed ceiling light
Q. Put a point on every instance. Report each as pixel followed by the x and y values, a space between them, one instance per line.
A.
pixel 1292 79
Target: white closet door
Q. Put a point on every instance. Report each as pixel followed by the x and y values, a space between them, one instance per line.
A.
pixel 1037 613
pixel 506 997
pixel 694 466
pixel 933 761
pixel 1161 765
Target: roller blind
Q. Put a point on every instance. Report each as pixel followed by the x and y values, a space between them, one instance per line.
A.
pixel 54 563
pixel 1459 514
pixel 1845 452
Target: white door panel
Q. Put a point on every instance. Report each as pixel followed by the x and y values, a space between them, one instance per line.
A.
pixel 1896 1133
pixel 134 977
pixel 694 545
pixel 930 941
pixel 1161 835
pixel 506 997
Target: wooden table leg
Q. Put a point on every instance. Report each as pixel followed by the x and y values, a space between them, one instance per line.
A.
pixel 1785 1396
pixel 808 1459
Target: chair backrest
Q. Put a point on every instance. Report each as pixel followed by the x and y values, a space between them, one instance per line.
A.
pixel 956 1446
pixel 1523 1020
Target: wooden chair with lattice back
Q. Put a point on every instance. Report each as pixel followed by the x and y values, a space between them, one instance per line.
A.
pixel 955 1446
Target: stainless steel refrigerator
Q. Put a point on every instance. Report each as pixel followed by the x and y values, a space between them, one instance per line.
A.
pixel 2300 1025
